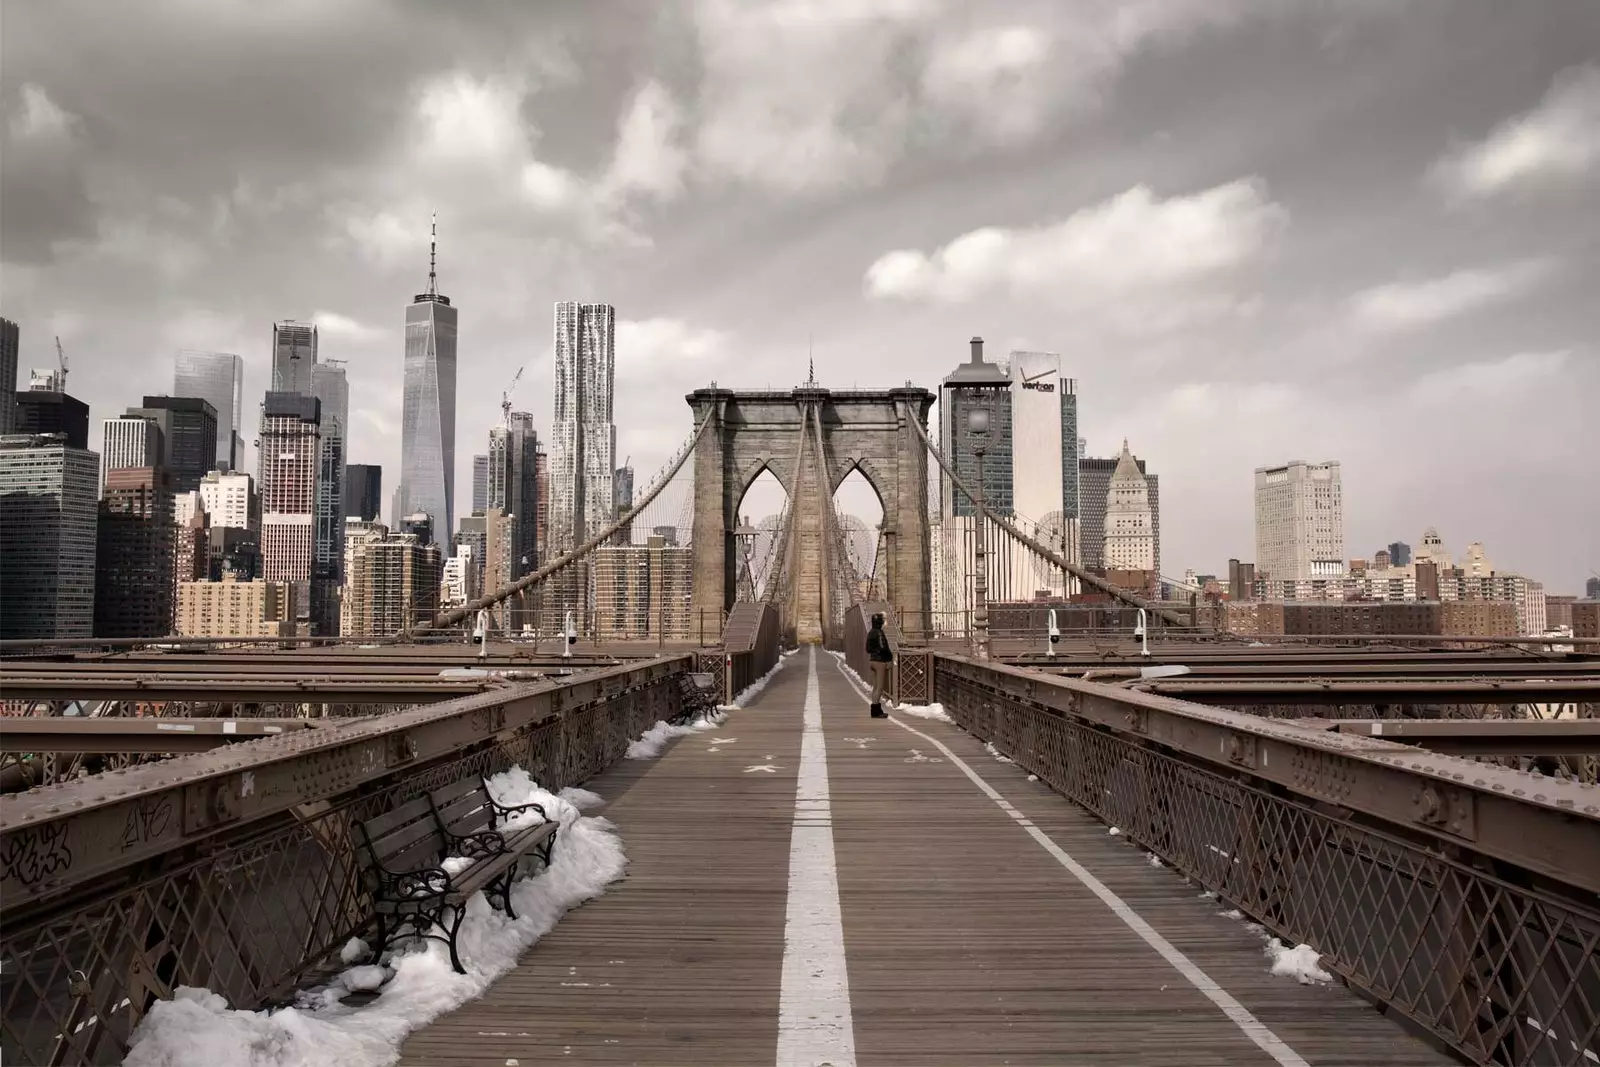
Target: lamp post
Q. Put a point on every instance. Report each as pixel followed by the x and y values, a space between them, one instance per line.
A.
pixel 978 438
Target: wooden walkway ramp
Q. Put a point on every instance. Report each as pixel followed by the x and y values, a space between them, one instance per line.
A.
pixel 886 892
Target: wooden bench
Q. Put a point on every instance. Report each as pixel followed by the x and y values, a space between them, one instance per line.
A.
pixel 403 854
pixel 696 690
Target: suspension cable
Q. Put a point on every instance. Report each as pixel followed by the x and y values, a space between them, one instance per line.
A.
pixel 787 523
pixel 1073 569
pixel 455 615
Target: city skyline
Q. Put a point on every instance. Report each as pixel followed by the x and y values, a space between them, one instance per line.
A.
pixel 1404 269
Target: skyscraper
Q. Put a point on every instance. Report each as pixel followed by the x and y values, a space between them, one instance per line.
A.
pixel 541 507
pixel 1299 521
pixel 47 537
pixel 9 340
pixel 522 500
pixel 294 353
pixel 188 433
pixel 363 491
pixel 428 415
pixel 332 390
pixel 129 441
pixel 44 409
pixel 1399 554
pixel 393 582
pixel 289 456
pixel 622 487
pixel 218 379
pixel 583 446
pixel 134 554
pixel 976 384
pixel 1129 530
pixel 1094 483
pixel 480 483
pixel 1037 473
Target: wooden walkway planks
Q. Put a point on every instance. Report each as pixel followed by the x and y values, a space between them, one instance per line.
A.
pixel 969 944
pixel 966 942
pixel 679 963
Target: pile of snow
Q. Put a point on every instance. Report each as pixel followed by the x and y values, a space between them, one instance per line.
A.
pixel 1114 832
pixel 653 740
pixel 582 799
pixel 1155 860
pixel 198 1027
pixel 937 713
pixel 1302 963
pixel 753 690
pixel 988 746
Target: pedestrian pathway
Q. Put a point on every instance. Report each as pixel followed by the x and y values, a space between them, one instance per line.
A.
pixel 808 885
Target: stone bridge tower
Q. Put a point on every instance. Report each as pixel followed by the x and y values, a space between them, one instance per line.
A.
pixel 861 430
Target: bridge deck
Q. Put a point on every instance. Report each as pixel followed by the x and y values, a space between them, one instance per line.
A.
pixel 972 928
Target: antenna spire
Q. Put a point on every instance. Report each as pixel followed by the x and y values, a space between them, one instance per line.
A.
pixel 811 362
pixel 433 257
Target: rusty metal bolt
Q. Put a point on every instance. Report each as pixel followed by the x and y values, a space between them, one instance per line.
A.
pixel 1428 804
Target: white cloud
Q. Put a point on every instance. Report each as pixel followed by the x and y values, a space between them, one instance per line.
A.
pixel 342 326
pixel 666 344
pixel 472 119
pixel 1490 379
pixel 1130 243
pixel 820 95
pixel 1558 139
pixel 649 156
pixel 1404 305
pixel 993 77
pixel 41 118
pixel 803 94
pixel 551 188
pixel 382 237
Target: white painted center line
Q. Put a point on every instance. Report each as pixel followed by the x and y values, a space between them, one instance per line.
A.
pixel 1253 1028
pixel 814 1021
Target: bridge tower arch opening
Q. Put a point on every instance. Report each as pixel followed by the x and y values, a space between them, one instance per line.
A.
pixel 870 432
pixel 760 513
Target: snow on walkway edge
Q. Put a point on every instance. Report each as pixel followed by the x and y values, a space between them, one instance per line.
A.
pixel 198 1027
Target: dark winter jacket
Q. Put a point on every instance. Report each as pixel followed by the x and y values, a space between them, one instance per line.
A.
pixel 878 650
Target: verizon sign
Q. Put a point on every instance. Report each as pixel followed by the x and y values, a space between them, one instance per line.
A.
pixel 1039 387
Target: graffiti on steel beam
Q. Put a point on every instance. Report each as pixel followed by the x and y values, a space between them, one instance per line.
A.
pixel 147 820
pixel 36 853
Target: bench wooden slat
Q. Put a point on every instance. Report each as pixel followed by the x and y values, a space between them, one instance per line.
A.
pixel 449 794
pixel 403 839
pixel 391 820
pixel 418 835
pixel 467 815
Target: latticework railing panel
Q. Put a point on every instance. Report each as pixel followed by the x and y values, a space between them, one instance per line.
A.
pixel 1501 969
pixel 251 917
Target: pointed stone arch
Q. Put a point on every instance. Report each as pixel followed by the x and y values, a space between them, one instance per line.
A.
pixel 861 430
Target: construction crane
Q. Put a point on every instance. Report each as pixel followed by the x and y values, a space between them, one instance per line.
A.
pixel 61 358
pixel 505 397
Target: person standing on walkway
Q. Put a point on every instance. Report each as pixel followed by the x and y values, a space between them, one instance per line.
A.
pixel 879 658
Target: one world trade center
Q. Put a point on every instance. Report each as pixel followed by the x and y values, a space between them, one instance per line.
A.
pixel 428 414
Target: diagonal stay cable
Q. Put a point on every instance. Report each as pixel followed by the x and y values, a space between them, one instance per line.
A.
pixel 455 615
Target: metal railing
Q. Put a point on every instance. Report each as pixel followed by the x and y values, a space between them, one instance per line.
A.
pixel 752 644
pixel 234 870
pixel 1462 895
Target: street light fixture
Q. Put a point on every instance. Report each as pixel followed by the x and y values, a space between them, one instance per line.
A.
pixel 978 441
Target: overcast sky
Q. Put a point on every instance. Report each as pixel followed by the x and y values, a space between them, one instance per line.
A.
pixel 1255 230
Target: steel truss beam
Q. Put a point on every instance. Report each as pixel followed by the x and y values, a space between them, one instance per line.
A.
pixel 1545 825
pixel 1477 737
pixel 56 838
pixel 74 734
